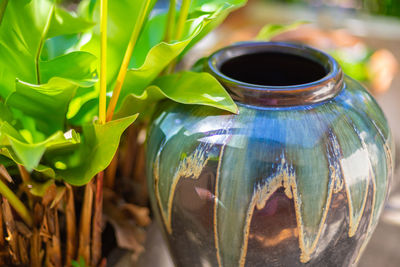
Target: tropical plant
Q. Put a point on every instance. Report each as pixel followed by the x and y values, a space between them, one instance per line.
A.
pixel 70 85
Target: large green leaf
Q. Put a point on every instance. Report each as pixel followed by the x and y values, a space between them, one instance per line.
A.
pixel 25 27
pixel 182 87
pixel 156 55
pixel 14 146
pixel 151 55
pixel 19 144
pixel 122 17
pixel 98 146
pixel 78 67
pixel 196 88
pixel 46 103
pixel 66 156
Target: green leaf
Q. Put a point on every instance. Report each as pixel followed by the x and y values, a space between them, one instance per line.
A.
pixel 182 87
pixel 77 67
pixel 271 30
pixel 46 103
pixel 60 45
pixel 151 55
pixel 25 27
pixel 122 16
pixel 98 146
pixel 64 23
pixel 212 6
pixel 196 88
pixel 157 59
pixel 216 12
pixel 14 146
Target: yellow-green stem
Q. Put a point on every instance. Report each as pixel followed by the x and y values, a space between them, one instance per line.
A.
pixel 182 19
pixel 16 203
pixel 169 31
pixel 127 58
pixel 180 26
pixel 103 61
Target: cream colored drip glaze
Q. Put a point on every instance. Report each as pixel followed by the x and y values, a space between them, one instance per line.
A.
pixel 190 167
pixel 287 179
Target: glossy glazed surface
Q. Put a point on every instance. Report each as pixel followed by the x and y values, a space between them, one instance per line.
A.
pixel 299 185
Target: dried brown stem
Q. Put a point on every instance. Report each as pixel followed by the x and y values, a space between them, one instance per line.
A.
pixel 84 229
pixel 4 173
pixel 56 245
pixel 71 226
pixel 23 250
pixel 11 232
pixel 129 155
pixel 50 231
pixel 97 221
pixel 111 172
pixel 24 174
pixel 36 240
pixel 36 257
pixel 2 240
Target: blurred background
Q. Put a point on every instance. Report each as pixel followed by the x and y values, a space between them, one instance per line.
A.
pixel 364 36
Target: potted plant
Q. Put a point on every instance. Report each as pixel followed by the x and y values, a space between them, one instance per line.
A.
pixel 70 85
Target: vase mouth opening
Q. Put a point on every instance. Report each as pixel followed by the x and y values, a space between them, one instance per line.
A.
pixel 276 74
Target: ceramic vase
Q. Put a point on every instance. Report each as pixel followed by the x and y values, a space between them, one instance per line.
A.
pixel 298 177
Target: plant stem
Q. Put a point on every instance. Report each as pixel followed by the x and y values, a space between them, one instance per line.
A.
pixel 96 228
pixel 71 225
pixel 3 6
pixel 182 19
pixel 16 203
pixel 86 218
pixel 36 259
pixel 11 231
pixel 2 240
pixel 103 61
pixel 111 171
pixel 23 250
pixel 129 152
pixel 183 14
pixel 170 21
pixel 24 174
pixel 127 58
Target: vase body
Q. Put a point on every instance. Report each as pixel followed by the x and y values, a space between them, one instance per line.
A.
pixel 298 177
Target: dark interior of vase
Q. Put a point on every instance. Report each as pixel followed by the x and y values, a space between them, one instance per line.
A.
pixel 273 69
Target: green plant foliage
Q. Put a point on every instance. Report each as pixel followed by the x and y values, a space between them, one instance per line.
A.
pixel 22 145
pixel 151 54
pixel 95 151
pixel 48 81
pixel 181 87
pixel 37 95
pixel 271 30
pixel 25 27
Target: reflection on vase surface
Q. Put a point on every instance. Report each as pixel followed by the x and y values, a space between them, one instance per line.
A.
pixel 299 185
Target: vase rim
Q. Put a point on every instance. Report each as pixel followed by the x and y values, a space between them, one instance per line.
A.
pixel 321 89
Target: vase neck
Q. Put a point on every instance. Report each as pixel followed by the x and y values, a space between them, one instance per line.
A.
pixel 276 74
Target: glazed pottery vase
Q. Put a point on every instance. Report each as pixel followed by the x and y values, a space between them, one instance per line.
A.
pixel 298 177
